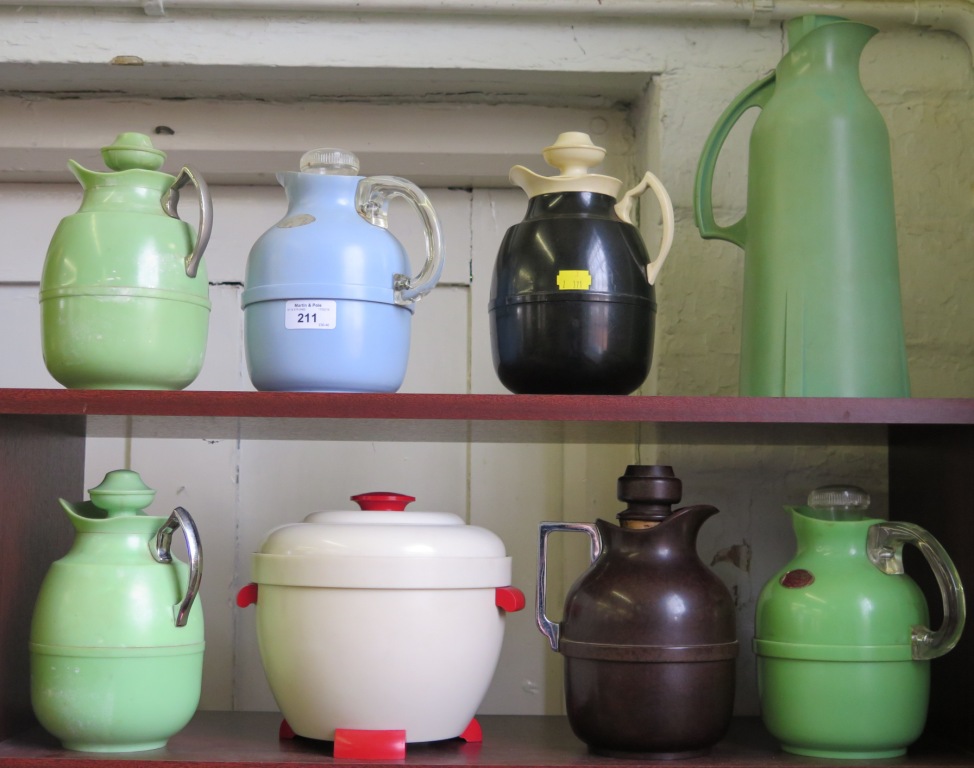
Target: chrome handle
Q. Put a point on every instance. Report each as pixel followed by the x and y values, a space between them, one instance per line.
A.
pixel 162 553
pixel 170 202
pixel 549 628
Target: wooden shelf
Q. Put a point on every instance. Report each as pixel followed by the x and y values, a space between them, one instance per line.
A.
pixel 582 408
pixel 931 445
pixel 245 739
pixel 453 418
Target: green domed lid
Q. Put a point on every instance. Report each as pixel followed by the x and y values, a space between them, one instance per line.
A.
pixel 122 492
pixel 133 150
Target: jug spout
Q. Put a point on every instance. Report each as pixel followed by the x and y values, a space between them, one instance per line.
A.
pixel 87 178
pixel 801 27
pixel 81 511
pixel 834 43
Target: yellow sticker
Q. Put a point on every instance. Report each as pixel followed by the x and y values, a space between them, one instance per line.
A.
pixel 574 280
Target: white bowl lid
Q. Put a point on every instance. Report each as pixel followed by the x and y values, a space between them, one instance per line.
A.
pixel 383 528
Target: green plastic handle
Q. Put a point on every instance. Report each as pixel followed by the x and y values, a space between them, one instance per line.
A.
pixel 755 95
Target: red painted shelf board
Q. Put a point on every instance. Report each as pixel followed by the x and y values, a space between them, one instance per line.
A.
pixel 567 408
pixel 246 739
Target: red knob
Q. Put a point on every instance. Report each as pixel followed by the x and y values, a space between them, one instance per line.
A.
pixel 383 501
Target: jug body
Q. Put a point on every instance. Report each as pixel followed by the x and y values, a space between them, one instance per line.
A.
pixel 572 303
pixel 822 310
pixel 648 636
pixel 124 292
pixel 116 641
pixel 842 650
pixel 578 323
pixel 328 300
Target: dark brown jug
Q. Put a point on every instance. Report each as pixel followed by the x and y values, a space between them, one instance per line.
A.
pixel 648 633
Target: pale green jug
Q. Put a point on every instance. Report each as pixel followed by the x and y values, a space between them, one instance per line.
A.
pixel 116 639
pixel 124 292
pixel 842 639
pixel 822 309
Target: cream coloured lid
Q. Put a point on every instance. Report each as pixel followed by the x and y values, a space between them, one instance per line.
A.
pixel 574 155
pixel 382 549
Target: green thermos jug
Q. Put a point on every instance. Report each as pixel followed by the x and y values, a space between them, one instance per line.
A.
pixel 124 292
pixel 822 314
pixel 841 632
pixel 116 639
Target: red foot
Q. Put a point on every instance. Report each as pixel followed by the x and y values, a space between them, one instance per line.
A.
pixel 472 733
pixel 285 731
pixel 370 745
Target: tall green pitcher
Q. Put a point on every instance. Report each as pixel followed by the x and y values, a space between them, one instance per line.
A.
pixel 822 314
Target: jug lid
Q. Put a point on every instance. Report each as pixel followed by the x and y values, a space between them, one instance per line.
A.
pixel 838 502
pixel 382 545
pixel 650 490
pixel 132 150
pixel 122 493
pixel 329 161
pixel 574 155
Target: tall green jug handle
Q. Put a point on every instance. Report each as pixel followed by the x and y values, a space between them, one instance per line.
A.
pixel 170 201
pixel 161 550
pixel 623 210
pixel 884 546
pixel 755 95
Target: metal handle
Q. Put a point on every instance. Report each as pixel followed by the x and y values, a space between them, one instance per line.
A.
pixel 549 628
pixel 755 95
pixel 170 202
pixel 884 545
pixel 624 207
pixel 371 201
pixel 162 553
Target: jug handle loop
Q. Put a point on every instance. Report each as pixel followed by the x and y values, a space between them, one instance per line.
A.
pixel 549 628
pixel 623 210
pixel 755 95
pixel 371 202
pixel 161 550
pixel 170 202
pixel 884 546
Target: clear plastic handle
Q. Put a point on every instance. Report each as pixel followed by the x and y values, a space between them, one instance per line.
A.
pixel 161 550
pixel 551 629
pixel 624 207
pixel 372 202
pixel 884 546
pixel 170 202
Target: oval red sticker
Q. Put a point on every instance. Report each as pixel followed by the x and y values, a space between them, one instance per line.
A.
pixel 797 578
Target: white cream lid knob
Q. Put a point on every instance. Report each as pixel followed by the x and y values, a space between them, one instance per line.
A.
pixel 573 153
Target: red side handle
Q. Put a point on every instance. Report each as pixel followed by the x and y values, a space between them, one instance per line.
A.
pixel 247 596
pixel 509 599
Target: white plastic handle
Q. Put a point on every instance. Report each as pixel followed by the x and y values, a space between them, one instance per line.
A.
pixel 624 208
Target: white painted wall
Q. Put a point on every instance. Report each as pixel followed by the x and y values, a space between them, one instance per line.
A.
pixel 454 101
